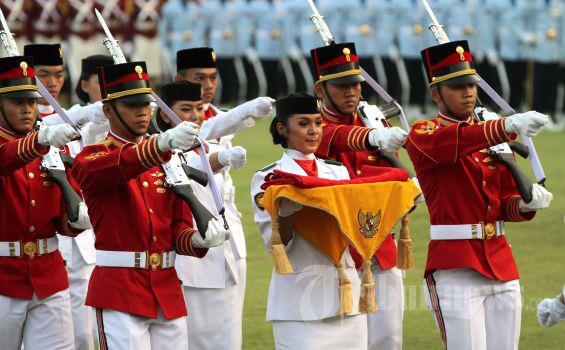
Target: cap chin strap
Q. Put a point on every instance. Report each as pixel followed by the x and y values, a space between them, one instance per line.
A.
pixel 448 110
pixel 330 100
pixel 122 120
pixel 8 122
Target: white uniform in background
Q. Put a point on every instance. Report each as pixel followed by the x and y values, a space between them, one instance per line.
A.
pixel 214 286
pixel 78 252
pixel 302 305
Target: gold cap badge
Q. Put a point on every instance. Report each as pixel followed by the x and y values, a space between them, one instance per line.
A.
pixel 214 56
pixel 61 52
pixel 319 105
pixel 139 70
pixel 461 52
pixel 23 66
pixel 347 52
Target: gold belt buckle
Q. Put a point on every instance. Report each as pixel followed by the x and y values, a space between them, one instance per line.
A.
pixel 30 249
pixel 155 261
pixel 489 231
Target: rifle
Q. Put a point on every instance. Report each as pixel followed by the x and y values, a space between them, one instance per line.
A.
pixel 328 39
pixel 372 116
pixel 177 171
pixel 441 37
pixel 502 152
pixel 52 163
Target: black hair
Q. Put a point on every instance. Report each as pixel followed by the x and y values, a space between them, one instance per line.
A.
pixel 278 139
pixel 81 94
pixel 163 125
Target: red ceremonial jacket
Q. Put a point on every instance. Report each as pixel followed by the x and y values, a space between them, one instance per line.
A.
pixel 462 184
pixel 131 210
pixel 344 139
pixel 32 208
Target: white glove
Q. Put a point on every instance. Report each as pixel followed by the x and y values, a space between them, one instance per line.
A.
pixel 83 221
pixel 551 311
pixel 389 140
pixel 393 53
pixel 56 135
pixel 234 157
pixel 294 53
pixel 492 57
pixel 540 199
pixel 420 197
pixel 529 38
pixel 180 137
pixel 288 207
pixel 216 235
pixel 529 123
pixel 259 108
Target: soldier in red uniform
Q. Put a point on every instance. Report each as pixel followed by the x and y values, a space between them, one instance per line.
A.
pixel 347 140
pixel 140 225
pixel 34 297
pixel 48 59
pixel 471 279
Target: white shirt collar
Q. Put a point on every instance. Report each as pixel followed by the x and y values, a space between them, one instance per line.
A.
pixel 294 154
pixel 138 140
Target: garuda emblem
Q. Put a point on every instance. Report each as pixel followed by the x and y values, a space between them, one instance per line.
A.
pixel 369 223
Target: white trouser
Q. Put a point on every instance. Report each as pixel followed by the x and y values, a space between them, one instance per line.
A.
pixel 384 327
pixel 215 314
pixel 83 316
pixel 474 312
pixel 118 330
pixel 40 323
pixel 331 333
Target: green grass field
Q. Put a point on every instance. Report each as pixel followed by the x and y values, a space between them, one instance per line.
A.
pixel 538 247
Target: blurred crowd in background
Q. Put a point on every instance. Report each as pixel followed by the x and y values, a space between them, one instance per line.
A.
pixel 263 46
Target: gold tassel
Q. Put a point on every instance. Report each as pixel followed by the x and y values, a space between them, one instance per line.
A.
pixel 405 258
pixel 368 299
pixel 345 292
pixel 280 259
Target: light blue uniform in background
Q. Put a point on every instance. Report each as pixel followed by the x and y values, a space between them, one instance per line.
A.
pixel 182 26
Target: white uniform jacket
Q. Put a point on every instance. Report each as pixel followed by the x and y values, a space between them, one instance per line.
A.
pixel 218 268
pixel 223 124
pixel 311 291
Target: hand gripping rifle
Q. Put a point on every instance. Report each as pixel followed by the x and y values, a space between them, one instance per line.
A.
pixel 52 163
pixel 177 171
pixel 503 152
pixel 373 116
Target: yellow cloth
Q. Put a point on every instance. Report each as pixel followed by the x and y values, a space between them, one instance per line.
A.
pixel 333 216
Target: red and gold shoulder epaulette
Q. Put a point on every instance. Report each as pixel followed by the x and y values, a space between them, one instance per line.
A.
pixel 96 150
pixel 425 126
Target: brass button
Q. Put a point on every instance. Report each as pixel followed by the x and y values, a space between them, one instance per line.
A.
pixel 145 184
pixel 33 202
pixel 488 207
pixel 154 238
pixel 358 172
pixel 490 231
pixel 154 261
pixel 31 175
pixel 484 183
pixel 150 211
pixel 476 159
pixel 31 228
